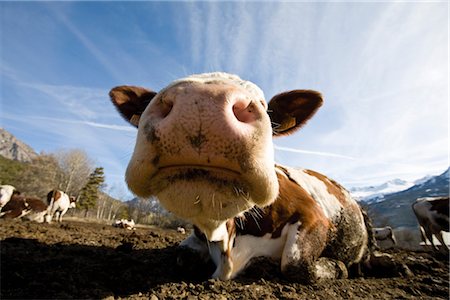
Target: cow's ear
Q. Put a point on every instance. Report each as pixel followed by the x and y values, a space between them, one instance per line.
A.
pixel 289 111
pixel 131 101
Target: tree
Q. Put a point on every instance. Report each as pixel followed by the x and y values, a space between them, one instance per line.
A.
pixel 76 167
pixel 11 171
pixel 90 192
pixel 40 176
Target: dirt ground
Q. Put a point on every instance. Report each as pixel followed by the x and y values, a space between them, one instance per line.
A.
pixel 94 261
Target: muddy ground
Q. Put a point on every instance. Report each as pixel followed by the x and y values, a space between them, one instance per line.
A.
pixel 93 261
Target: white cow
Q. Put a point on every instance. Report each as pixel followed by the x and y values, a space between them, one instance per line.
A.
pixel 124 223
pixel 58 204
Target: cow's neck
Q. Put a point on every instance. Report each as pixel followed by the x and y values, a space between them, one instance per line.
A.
pixel 214 230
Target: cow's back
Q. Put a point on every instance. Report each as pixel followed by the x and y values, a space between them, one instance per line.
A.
pixel 348 233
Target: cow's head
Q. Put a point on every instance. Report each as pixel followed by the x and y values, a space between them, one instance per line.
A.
pixel 204 143
pixel 73 202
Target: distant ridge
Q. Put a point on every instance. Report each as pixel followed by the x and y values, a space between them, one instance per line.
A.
pixel 12 148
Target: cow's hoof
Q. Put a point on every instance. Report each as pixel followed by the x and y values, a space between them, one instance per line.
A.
pixel 330 269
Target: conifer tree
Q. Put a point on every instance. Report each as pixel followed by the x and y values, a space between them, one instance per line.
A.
pixel 89 194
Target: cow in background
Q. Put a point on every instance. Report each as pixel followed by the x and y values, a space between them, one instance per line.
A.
pixel 19 206
pixel 6 192
pixel 433 216
pixel 123 223
pixel 58 204
pixel 384 234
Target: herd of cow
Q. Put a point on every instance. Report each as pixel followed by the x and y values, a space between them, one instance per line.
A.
pixel 15 205
pixel 432 215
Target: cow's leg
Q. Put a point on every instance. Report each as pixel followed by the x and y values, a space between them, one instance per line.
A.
pixel 221 256
pixel 392 237
pixel 422 235
pixel 49 216
pixel 61 214
pixel 300 259
pixel 444 247
pixel 429 235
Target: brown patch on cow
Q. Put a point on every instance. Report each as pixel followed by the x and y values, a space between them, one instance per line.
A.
pixel 14 207
pixel 293 204
pixel 333 187
pixel 36 204
pixel 19 204
pixel 55 194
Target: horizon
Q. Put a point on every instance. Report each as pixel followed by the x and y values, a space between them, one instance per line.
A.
pixel 382 68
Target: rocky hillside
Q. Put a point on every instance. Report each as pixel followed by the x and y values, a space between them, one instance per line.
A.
pixel 395 209
pixel 12 148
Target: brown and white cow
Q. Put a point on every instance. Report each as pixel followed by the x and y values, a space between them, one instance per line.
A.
pixel 6 192
pixel 433 216
pixel 58 203
pixel 384 234
pixel 204 148
pixel 20 206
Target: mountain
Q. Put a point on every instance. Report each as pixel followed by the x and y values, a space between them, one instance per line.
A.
pixel 369 193
pixel 395 208
pixel 12 148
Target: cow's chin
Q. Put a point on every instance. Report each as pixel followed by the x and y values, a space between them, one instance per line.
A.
pixel 202 200
pixel 211 194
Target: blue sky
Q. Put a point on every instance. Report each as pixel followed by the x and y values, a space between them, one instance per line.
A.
pixel 383 68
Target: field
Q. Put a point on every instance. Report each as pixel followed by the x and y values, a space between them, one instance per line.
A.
pixel 96 261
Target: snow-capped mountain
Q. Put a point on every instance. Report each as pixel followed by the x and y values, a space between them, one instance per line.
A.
pixel 369 192
pixel 376 192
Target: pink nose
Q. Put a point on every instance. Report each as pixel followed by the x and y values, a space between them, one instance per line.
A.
pixel 206 120
pixel 207 107
pixel 240 107
pixel 243 110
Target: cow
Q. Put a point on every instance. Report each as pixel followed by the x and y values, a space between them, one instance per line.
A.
pixel 6 192
pixel 20 206
pixel 204 148
pixel 384 234
pixel 58 203
pixel 433 217
pixel 123 223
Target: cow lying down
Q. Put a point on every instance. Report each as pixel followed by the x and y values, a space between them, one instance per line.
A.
pixel 124 223
pixel 19 206
pixel 204 148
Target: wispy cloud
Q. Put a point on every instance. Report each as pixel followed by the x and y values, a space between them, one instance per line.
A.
pixel 327 154
pixel 87 42
pixel 55 121
pixel 382 67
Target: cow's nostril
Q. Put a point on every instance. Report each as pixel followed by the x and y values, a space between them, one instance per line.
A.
pixel 165 108
pixel 244 112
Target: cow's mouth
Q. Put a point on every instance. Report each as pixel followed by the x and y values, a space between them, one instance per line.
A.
pixel 195 172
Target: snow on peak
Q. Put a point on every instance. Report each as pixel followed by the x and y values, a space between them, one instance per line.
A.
pixel 370 192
